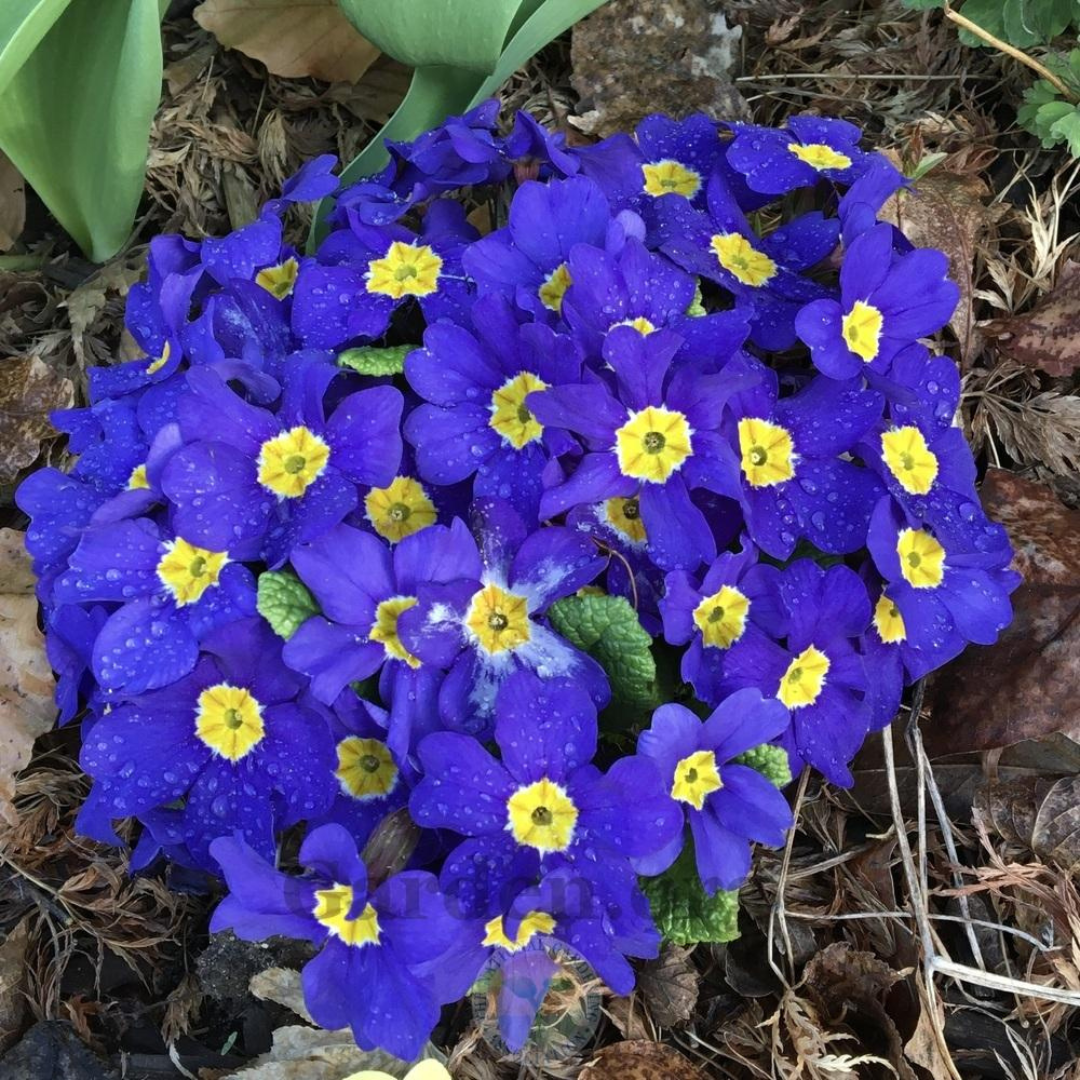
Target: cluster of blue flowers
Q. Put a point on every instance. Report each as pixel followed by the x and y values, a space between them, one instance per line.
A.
pixel 653 382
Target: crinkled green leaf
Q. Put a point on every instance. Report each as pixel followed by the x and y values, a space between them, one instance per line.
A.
pixel 75 118
pixel 771 761
pixel 368 360
pixel 285 602
pixel 1066 129
pixel 683 912
pixel 607 628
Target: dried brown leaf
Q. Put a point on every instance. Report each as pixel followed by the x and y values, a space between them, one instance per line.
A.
pixel 947 211
pixel 1024 687
pixel 13 983
pixel 293 38
pixel 1038 814
pixel 669 986
pixel 12 203
pixel 26 682
pixel 29 391
pixel 391 845
pixel 640 1061
pixel 1048 336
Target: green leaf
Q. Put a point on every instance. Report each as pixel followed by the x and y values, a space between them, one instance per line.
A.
pixel 429 33
pixel 607 628
pixel 697 305
pixel 368 360
pixel 285 602
pixel 771 761
pixel 1066 129
pixel 923 5
pixel 683 912
pixel 75 119
pixel 23 23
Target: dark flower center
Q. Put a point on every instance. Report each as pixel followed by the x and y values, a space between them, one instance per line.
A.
pixel 399 512
pixel 295 463
pixel 233 719
pixel 907 462
pixel 541 816
pixel 654 442
pixel 914 559
pixel 369 763
pixel 405 271
pixel 197 567
pixel 498 621
pixel 758 455
pixel 716 614
pixel 631 510
pixel 691 776
pixel 523 414
pixel 795 675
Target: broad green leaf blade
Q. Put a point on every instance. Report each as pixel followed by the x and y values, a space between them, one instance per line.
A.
pixel 285 602
pixel 425 33
pixel 550 19
pixel 23 23
pixel 75 119
pixel 368 360
pixel 683 912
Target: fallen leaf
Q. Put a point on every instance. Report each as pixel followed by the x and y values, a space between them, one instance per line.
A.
pixel 925 1047
pixel 1024 687
pixel 669 986
pixel 29 391
pixel 283 987
pixel 12 203
pixel 1048 336
pixel 87 303
pixel 640 1060
pixel 628 1016
pixel 947 211
pixel 293 38
pixel 631 58
pixel 1040 814
pixel 13 983
pixel 27 709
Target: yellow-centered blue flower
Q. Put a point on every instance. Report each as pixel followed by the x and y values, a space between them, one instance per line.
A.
pixel 653 444
pixel 819 156
pixel 138 481
pixel 669 177
pixel 536 922
pixel 804 679
pixel 332 907
pixel 888 621
pixel 742 260
pixel 624 516
pixel 384 629
pixel 542 815
pixel 909 459
pixel 510 416
pixel 279 280
pixel 721 618
pixel 228 719
pixel 861 330
pixel 188 571
pixel 400 509
pixel 767 452
pixel 499 620
pixel 552 291
pixel 922 559
pixel 365 768
pixel 291 462
pixel 405 270
pixel 696 777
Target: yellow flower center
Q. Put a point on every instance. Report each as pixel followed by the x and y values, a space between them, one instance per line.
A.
pixel 742 260
pixel 156 365
pixel 803 681
pixel 399 510
pixel 510 416
pixel 384 629
pixel 768 456
pixel 696 777
pixel 888 621
pixel 554 288
pixel 861 330
pixel 922 559
pixel 405 270
pixel 332 907
pixel 653 444
pixel 624 516
pixel 542 816
pixel 188 571
pixel 909 459
pixel 229 720
pixel 291 462
pixel 642 325
pixel 669 177
pixel 138 481
pixel 536 922
pixel 721 618
pixel 365 768
pixel 819 156
pixel 498 619
pixel 279 280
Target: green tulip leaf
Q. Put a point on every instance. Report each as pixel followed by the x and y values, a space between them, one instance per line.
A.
pixel 23 23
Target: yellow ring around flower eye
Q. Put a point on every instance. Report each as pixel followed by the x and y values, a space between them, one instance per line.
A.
pixel 156 365
pixel 742 260
pixel 554 287
pixel 332 907
pixel 922 559
pixel 365 768
pixel 642 325
pixel 279 280
pixel 536 922
pixel 510 416
pixel 669 177
pixel 696 777
pixel 138 480
pixel 888 621
pixel 819 156
pixel 542 815
pixel 624 516
pixel 384 629
pixel 861 330
pixel 498 620
pixel 228 719
pixel 804 679
pixel 405 270
pixel 188 571
pixel 653 444
pixel 399 510
pixel 721 618
pixel 767 452
pixel 291 462
pixel 909 459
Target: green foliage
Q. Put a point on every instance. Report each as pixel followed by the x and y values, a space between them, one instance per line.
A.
pixel 462 50
pixel 771 761
pixel 1022 23
pixel 697 305
pixel 684 913
pixel 368 360
pixel 607 628
pixel 1046 113
pixel 23 23
pixel 285 602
